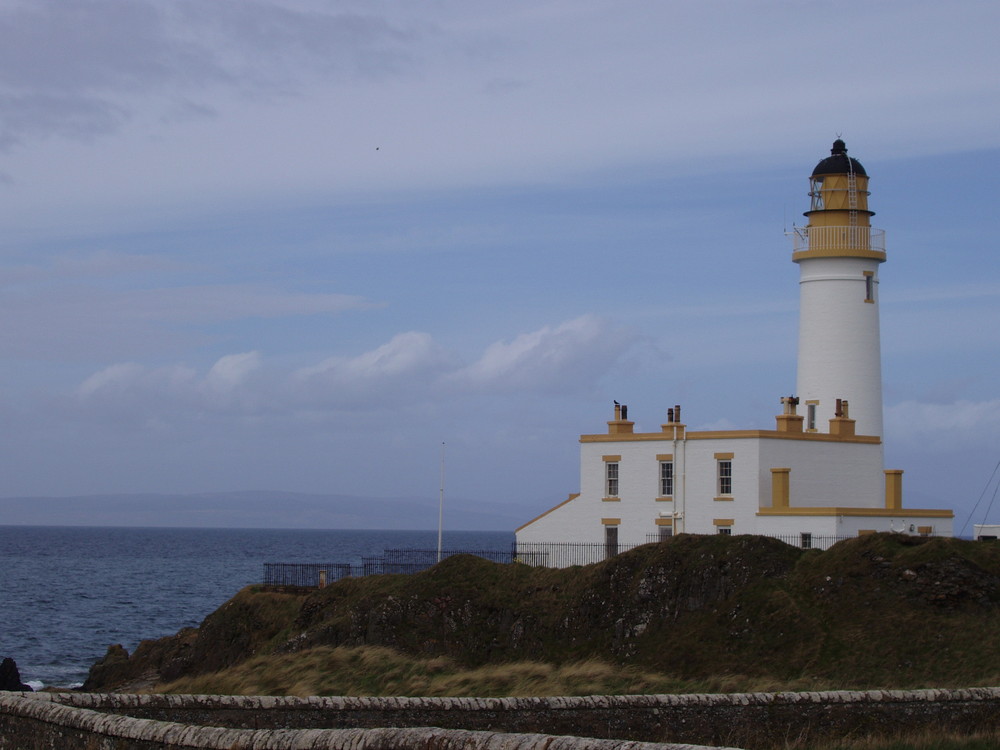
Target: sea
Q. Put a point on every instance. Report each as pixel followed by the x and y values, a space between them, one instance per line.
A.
pixel 67 593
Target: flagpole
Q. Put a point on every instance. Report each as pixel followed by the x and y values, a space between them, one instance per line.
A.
pixel 441 503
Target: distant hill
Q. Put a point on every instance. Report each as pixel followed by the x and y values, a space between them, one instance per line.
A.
pixel 256 509
pixel 875 611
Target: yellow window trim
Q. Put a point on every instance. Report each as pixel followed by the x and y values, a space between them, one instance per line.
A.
pixel 664 522
pixel 724 456
pixel 723 497
pixel 722 521
pixel 611 459
pixel 611 521
pixel 611 499
pixel 664 456
pixel 665 499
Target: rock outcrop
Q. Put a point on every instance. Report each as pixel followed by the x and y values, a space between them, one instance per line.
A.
pixel 10 677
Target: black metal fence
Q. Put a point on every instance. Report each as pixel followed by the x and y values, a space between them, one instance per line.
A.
pixel 416 560
pixel 307 575
pixel 809 541
pixel 562 555
pixel 314 575
pixel 540 554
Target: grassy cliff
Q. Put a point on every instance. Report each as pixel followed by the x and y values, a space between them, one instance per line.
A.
pixel 694 612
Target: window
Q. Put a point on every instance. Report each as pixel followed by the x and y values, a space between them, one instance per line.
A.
pixel 610 541
pixel 665 532
pixel 611 479
pixel 666 478
pixel 816 193
pixel 806 540
pixel 725 477
pixel 869 287
pixel 811 417
pixel 725 530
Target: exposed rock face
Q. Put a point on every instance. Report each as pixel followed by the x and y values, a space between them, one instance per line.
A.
pixel 10 677
pixel 166 658
pixel 877 610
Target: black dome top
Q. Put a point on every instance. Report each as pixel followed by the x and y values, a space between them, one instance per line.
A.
pixel 839 162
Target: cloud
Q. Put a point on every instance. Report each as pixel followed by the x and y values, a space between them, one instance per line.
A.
pixel 80 70
pixel 403 354
pixel 131 391
pixel 959 423
pixel 70 266
pixel 551 359
pixel 66 116
pixel 401 370
pixel 113 378
pixel 232 371
pixel 66 67
pixel 132 394
pixel 74 320
pixel 409 370
pixel 265 38
pixel 231 302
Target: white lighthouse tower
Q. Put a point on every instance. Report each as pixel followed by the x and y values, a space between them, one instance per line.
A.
pixel 839 254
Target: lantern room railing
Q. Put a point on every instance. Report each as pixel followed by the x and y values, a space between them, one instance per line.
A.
pixel 837 238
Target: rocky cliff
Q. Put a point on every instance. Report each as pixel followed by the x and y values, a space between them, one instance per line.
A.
pixel 882 610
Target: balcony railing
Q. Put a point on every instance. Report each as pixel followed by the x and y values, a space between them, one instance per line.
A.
pixel 837 238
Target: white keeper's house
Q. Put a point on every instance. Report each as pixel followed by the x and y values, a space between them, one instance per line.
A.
pixel 815 476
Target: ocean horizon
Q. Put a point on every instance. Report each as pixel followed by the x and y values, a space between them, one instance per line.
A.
pixel 71 591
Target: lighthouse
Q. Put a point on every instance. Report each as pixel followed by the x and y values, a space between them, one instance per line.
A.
pixel 817 476
pixel 839 253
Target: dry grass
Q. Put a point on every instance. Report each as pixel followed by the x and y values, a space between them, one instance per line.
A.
pixel 380 671
pixel 375 671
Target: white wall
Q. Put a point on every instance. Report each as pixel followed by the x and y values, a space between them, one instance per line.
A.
pixel 823 474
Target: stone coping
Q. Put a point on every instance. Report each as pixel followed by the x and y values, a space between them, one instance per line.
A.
pixel 47 709
pixel 106 701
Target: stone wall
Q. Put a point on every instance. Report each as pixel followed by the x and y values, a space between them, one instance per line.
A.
pixel 26 722
pixel 750 720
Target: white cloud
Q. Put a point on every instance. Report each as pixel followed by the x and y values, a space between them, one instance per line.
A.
pixel 232 371
pixel 132 394
pixel 85 70
pixel 958 423
pixel 408 370
pixel 460 93
pixel 113 377
pixel 174 392
pixel 564 357
pixel 400 370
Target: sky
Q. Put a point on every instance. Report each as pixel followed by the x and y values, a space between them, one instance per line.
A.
pixel 316 246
